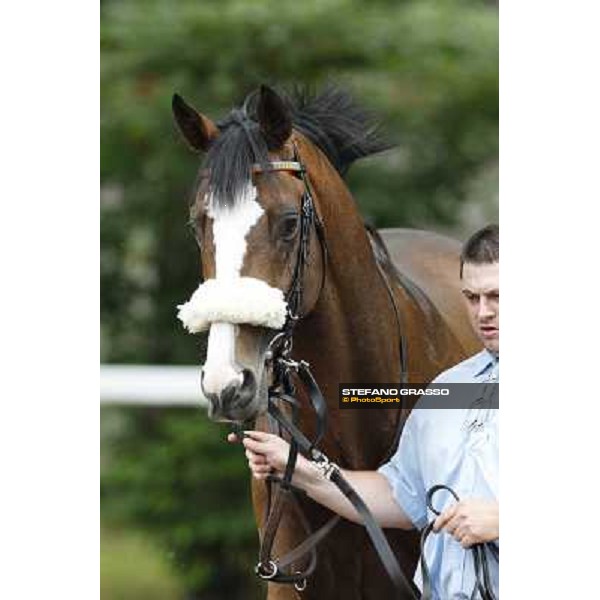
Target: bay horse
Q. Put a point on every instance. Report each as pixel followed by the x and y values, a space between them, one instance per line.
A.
pixel 372 304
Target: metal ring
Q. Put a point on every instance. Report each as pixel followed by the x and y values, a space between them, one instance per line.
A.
pixel 287 346
pixel 300 585
pixel 259 570
pixel 274 341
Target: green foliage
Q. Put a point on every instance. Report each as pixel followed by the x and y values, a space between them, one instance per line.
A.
pixel 132 569
pixel 170 472
pixel 428 68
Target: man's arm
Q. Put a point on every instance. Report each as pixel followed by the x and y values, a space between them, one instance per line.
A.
pixel 267 453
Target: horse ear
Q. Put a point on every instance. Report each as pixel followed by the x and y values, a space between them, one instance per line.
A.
pixel 274 118
pixel 198 130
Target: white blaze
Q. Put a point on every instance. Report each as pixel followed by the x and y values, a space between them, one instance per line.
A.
pixel 231 225
pixel 219 369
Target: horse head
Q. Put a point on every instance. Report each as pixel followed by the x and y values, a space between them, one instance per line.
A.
pixel 261 255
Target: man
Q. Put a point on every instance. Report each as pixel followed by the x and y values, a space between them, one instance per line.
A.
pixel 454 447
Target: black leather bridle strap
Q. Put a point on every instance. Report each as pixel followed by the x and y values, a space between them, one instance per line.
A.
pixel 483 584
pixel 274 569
pixel 405 587
pixel 278 573
pixel 308 218
pixel 334 474
pixel 310 542
pixel 316 400
pixel 282 389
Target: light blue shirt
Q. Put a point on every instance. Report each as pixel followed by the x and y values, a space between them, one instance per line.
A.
pixel 437 447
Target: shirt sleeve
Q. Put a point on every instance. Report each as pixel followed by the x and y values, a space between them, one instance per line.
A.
pixel 403 471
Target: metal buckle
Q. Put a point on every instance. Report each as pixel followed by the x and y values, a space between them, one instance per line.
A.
pixel 300 585
pixel 291 316
pixel 260 570
pixel 283 351
pixel 323 464
pixel 290 363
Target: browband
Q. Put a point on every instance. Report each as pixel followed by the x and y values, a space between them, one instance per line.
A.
pixel 279 165
pixel 276 165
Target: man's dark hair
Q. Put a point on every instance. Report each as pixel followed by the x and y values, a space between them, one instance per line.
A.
pixel 482 247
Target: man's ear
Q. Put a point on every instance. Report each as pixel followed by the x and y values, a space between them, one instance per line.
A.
pixel 274 118
pixel 199 131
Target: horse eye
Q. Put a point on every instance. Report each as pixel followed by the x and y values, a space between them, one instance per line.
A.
pixel 288 227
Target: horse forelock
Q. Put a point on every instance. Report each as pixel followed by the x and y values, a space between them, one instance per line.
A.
pixel 230 160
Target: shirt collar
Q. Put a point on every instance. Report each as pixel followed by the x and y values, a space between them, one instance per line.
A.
pixel 485 360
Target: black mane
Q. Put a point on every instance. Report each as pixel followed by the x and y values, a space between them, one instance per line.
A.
pixel 343 130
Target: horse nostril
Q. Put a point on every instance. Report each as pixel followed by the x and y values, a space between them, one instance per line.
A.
pixel 248 386
pixel 229 395
pixel 239 394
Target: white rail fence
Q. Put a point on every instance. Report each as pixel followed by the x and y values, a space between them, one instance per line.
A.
pixel 150 385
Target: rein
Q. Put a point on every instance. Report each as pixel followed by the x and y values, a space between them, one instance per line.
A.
pixel 483 584
pixel 273 570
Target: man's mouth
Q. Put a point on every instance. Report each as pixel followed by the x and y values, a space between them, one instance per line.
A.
pixel 488 331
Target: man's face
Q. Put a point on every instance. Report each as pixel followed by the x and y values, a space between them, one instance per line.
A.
pixel 481 289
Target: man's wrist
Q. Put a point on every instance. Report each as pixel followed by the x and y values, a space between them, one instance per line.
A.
pixel 496 539
pixel 494 532
pixel 306 474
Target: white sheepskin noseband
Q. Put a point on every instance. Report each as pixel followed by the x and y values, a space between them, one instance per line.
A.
pixel 237 300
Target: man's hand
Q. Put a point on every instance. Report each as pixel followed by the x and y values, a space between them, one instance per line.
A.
pixel 470 521
pixel 267 454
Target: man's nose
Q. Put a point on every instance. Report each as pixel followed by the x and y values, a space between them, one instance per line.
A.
pixel 486 310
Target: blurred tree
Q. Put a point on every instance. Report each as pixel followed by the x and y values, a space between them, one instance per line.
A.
pixel 170 472
pixel 429 68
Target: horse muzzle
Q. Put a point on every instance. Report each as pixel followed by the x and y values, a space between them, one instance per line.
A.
pixel 233 379
pixel 235 401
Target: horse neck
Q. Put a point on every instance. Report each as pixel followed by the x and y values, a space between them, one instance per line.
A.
pixel 351 335
pixel 354 320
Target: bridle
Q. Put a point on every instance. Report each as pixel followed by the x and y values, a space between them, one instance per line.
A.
pixel 282 390
pixel 308 218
